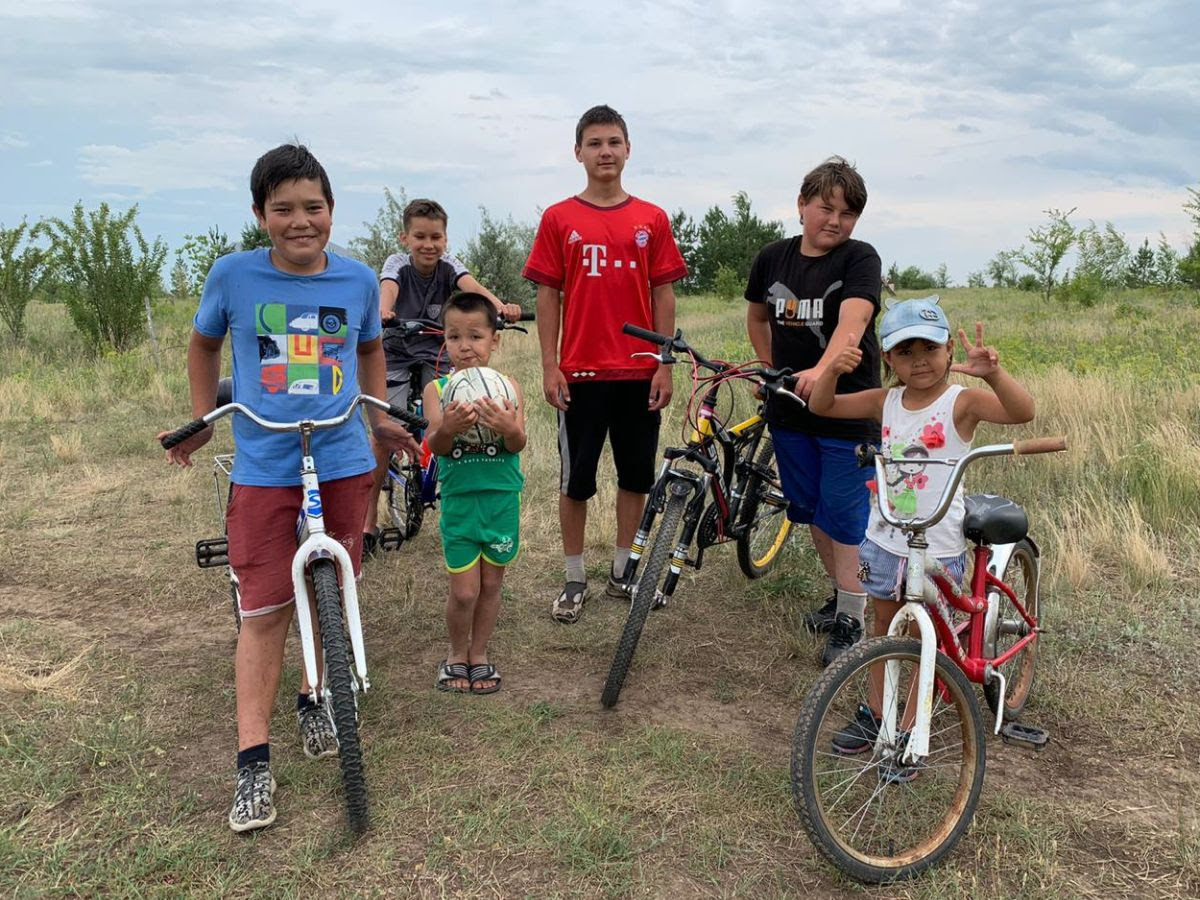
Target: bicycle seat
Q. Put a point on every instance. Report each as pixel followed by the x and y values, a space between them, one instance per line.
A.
pixel 994 520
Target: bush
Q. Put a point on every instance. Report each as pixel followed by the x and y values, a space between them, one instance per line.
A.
pixel 104 283
pixel 197 256
pixel 1085 289
pixel 20 275
pixel 496 256
pixel 383 235
pixel 728 285
pixel 721 240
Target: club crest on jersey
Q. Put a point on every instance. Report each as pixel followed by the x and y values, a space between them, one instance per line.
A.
pixel 641 237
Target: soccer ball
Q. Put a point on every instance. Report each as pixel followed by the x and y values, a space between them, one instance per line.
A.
pixel 480 382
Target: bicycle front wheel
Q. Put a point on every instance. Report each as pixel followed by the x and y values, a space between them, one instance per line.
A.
pixel 406 506
pixel 1021 574
pixel 877 817
pixel 653 571
pixel 765 525
pixel 340 693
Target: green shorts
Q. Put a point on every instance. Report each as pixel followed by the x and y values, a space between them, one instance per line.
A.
pixel 486 524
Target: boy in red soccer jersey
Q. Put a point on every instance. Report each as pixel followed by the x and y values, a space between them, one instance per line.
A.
pixel 600 259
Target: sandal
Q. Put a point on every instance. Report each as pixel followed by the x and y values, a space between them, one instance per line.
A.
pixel 569 606
pixel 481 672
pixel 448 672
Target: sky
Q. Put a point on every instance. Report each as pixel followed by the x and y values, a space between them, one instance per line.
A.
pixel 966 119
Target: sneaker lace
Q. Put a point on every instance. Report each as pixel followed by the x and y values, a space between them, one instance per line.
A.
pixel 253 789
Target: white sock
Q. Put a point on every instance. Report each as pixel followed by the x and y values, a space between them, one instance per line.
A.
pixel 575 570
pixel 620 558
pixel 852 604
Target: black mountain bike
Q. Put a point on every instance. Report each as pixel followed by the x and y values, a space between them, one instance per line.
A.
pixel 732 464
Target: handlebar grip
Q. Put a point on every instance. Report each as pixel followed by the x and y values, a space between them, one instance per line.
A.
pixel 179 435
pixel 527 316
pixel 645 334
pixel 1039 445
pixel 410 419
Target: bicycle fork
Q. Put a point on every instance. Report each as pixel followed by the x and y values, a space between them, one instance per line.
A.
pixel 319 545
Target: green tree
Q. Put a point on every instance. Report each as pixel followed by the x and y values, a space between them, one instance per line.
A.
pixel 1049 243
pixel 1103 256
pixel 976 280
pixel 253 237
pixel 1141 266
pixel 199 253
pixel 910 278
pixel 107 269
pixel 21 274
pixel 181 285
pixel 730 241
pixel 496 257
pixel 383 235
pixel 942 277
pixel 1002 268
pixel 687 238
pixel 1166 263
pixel 1189 264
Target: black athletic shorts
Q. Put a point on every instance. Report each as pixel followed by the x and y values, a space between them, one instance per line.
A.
pixel 616 409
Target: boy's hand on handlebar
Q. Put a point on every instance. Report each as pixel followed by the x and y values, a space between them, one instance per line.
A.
pixel 393 436
pixel 511 312
pixel 555 388
pixel 982 360
pixel 181 453
pixel 661 388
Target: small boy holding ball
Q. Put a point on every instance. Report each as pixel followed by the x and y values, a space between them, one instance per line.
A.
pixel 481 493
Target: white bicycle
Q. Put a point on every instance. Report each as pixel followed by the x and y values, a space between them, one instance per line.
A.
pixel 319 559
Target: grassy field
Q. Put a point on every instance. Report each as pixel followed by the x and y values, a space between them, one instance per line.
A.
pixel 116 681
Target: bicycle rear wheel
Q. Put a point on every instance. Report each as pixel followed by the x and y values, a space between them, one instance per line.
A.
pixel 406 506
pixel 766 527
pixel 340 692
pixel 1021 574
pixel 653 571
pixel 874 816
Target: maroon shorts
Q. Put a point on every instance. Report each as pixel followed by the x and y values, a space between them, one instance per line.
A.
pixel 261 528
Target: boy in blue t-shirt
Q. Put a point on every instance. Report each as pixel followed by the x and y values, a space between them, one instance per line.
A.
pixel 304 327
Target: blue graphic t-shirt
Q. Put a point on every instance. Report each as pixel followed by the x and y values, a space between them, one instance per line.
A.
pixel 295 356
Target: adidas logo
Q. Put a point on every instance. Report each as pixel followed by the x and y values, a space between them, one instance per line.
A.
pixel 575 237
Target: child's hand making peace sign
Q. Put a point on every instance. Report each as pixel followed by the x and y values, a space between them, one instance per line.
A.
pixel 982 361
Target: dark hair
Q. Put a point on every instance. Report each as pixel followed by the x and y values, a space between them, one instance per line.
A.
pixel 287 162
pixel 836 172
pixel 468 302
pixel 599 115
pixel 424 209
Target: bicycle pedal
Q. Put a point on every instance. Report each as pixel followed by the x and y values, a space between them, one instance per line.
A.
pixel 1025 735
pixel 389 538
pixel 212 553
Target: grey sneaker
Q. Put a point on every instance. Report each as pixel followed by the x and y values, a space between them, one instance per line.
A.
pixel 316 732
pixel 616 589
pixel 569 606
pixel 846 632
pixel 253 798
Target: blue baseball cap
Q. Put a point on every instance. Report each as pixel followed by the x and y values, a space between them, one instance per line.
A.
pixel 919 318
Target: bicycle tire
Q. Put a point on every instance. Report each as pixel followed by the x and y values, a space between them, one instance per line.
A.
pixel 339 692
pixel 1021 574
pixel 753 561
pixel 647 586
pixel 870 820
pixel 406 506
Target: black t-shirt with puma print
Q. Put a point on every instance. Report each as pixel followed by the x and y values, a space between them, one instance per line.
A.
pixel 803 295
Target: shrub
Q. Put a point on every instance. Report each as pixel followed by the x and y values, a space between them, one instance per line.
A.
pixel 198 254
pixel 496 256
pixel 383 235
pixel 728 285
pixel 104 283
pixel 20 275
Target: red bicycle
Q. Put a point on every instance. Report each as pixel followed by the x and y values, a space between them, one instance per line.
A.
pixel 888 756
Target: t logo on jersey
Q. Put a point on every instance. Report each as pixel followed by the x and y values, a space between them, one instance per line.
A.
pixel 594 256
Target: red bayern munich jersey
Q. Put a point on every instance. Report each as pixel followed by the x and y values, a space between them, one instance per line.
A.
pixel 605 260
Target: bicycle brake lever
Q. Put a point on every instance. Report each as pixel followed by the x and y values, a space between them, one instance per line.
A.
pixel 664 358
pixel 785 392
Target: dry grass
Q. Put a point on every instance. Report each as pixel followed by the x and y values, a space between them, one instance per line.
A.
pixel 115 758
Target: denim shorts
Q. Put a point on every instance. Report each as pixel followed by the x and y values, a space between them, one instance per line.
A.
pixel 882 572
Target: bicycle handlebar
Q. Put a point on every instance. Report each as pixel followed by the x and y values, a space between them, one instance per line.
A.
pixel 409 327
pixel 1022 448
pixel 179 435
pixel 775 381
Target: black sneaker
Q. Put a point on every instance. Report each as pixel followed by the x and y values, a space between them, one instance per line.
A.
pixel 821 620
pixel 858 734
pixel 845 633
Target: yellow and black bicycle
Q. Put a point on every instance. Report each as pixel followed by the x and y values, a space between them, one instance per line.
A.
pixel 721 486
